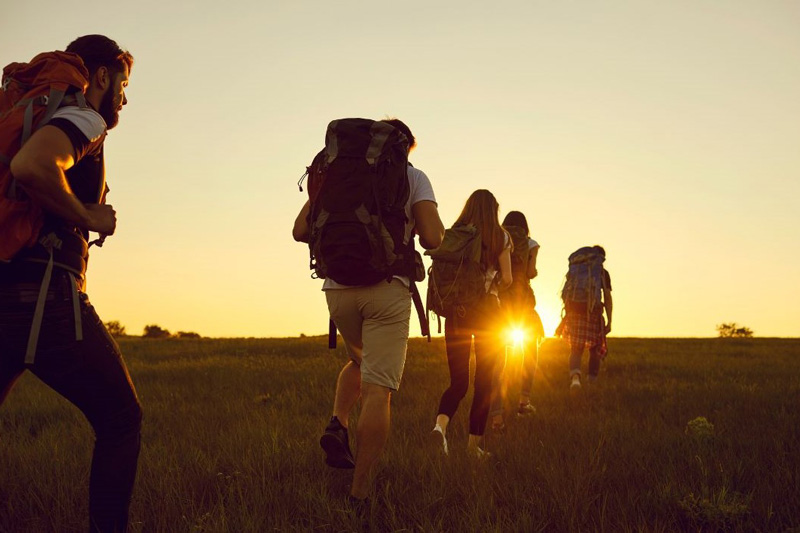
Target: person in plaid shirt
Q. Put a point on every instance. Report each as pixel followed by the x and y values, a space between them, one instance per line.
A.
pixel 585 327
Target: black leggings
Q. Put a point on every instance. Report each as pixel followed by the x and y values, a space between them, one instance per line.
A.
pixel 89 373
pixel 458 341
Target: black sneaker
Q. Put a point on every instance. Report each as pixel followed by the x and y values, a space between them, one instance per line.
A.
pixel 336 445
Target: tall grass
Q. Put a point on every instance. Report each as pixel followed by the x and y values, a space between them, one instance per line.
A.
pixel 231 428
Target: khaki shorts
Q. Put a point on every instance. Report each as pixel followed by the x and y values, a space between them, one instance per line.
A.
pixel 374 324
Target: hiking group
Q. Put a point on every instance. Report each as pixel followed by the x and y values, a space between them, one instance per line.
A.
pixel 366 203
pixel 366 208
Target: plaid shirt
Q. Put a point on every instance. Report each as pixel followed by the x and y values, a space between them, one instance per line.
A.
pixel 585 330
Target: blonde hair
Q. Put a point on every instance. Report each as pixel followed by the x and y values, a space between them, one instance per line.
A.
pixel 481 210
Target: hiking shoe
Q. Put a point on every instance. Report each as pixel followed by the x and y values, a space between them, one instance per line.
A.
pixel 526 409
pixel 359 507
pixel 576 382
pixel 479 453
pixel 498 426
pixel 438 440
pixel 336 445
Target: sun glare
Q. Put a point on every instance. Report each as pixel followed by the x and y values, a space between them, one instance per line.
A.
pixel 517 337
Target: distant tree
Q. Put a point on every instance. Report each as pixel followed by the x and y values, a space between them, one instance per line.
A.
pixel 733 330
pixel 155 332
pixel 115 328
pixel 188 335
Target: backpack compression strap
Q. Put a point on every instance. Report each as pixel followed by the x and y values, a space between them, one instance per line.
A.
pixel 424 326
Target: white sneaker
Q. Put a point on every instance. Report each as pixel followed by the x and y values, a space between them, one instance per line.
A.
pixel 479 453
pixel 576 382
pixel 439 440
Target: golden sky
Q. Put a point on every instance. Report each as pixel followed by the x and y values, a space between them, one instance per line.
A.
pixel 667 132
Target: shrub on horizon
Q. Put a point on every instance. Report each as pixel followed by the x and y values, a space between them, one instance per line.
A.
pixel 155 332
pixel 115 328
pixel 733 330
pixel 188 335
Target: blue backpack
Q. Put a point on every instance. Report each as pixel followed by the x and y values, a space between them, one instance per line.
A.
pixel 584 281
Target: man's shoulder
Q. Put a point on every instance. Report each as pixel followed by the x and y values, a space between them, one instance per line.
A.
pixel 86 119
pixel 420 186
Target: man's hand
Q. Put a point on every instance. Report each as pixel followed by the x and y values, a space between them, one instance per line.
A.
pixel 101 218
pixel 608 328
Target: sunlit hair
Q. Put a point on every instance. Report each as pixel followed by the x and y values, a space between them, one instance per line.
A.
pixel 481 211
pixel 99 51
pixel 400 125
pixel 518 220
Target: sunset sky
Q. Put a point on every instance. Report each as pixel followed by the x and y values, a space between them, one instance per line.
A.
pixel 668 132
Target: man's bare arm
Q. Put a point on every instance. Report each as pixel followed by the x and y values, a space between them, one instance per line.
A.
pixel 39 168
pixel 428 224
pixel 300 232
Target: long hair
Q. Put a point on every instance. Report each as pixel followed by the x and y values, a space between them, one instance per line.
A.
pixel 481 211
pixel 518 220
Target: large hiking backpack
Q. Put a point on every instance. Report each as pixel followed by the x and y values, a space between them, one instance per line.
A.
pixel 456 280
pixel 30 95
pixel 584 278
pixel 358 188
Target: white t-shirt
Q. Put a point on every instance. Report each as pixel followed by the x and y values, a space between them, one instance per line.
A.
pixel 86 119
pixel 420 190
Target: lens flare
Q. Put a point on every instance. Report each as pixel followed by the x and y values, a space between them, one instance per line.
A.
pixel 517 336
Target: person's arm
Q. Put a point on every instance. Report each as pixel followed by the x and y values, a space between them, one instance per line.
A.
pixel 608 303
pixel 505 269
pixel 39 168
pixel 300 232
pixel 427 224
pixel 532 272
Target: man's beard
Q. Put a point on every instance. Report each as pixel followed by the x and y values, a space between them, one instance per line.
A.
pixel 108 109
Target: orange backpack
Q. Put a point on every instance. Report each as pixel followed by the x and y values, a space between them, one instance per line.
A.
pixel 30 95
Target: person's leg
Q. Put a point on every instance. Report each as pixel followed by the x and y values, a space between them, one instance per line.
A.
pixel 458 342
pixel 386 309
pixel 344 310
pixel 92 375
pixel 348 390
pixel 15 320
pixel 594 362
pixel 498 389
pixel 486 358
pixel 8 377
pixel 529 365
pixel 575 354
pixel 371 435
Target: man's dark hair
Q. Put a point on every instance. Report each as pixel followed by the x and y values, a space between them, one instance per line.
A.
pixel 400 125
pixel 600 249
pixel 99 51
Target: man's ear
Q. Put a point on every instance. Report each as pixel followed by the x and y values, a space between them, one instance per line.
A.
pixel 102 78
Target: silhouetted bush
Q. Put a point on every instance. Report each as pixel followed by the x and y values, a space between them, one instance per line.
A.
pixel 188 335
pixel 733 330
pixel 115 328
pixel 155 332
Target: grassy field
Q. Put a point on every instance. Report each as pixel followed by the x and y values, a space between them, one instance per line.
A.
pixel 231 429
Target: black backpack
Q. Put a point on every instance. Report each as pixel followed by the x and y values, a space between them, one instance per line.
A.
pixel 358 187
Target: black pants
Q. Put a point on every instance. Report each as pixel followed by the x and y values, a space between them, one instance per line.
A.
pixel 458 337
pixel 89 373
